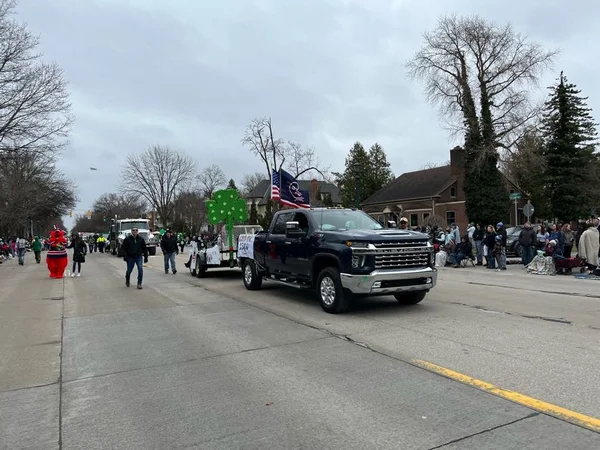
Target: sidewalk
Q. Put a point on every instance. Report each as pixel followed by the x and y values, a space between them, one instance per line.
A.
pixel 30 345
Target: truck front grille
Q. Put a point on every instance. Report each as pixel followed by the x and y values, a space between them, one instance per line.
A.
pixel 402 255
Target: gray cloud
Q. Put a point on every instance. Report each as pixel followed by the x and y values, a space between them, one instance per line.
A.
pixel 192 74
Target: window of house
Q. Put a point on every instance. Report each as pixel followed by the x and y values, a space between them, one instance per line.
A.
pixel 414 220
pixel 450 217
pixel 453 192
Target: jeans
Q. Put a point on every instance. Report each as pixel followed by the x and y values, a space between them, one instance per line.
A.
pixel 76 265
pixel 21 253
pixel 456 258
pixel 526 254
pixel 479 251
pixel 170 257
pixel 131 263
pixel 502 260
pixel 491 260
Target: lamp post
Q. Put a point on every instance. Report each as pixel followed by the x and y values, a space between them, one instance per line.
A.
pixel 356 167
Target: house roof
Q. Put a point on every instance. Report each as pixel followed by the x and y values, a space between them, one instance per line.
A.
pixel 262 190
pixel 420 184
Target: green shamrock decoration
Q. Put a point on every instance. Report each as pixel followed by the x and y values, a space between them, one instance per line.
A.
pixel 227 206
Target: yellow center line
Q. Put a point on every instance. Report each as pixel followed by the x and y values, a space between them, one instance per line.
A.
pixel 559 412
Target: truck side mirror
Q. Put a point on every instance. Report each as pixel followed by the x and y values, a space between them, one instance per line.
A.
pixel 292 230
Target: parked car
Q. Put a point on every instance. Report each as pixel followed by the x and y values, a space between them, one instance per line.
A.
pixel 513 248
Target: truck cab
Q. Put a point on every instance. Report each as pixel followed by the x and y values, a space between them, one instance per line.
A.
pixel 341 254
pixel 122 228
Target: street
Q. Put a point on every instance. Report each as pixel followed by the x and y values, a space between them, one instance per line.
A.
pixel 500 360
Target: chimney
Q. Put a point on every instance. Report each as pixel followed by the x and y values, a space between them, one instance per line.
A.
pixel 457 162
pixel 314 190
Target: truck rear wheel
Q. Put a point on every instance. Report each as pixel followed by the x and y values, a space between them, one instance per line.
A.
pixel 252 280
pixel 330 291
pixel 411 298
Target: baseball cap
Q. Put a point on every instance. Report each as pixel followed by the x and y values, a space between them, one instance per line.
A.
pixel 403 219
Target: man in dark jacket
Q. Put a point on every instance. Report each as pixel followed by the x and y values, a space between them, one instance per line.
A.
pixel 168 245
pixel 478 236
pixel 134 248
pixel 527 240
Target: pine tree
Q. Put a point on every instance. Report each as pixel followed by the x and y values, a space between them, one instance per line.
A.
pixel 232 185
pixel 570 140
pixel 253 219
pixel 381 174
pixel 357 166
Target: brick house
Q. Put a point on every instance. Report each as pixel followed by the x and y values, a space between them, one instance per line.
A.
pixel 438 191
pixel 317 190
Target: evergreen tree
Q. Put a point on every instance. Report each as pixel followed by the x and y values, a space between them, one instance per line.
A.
pixel 570 140
pixel 232 185
pixel 357 165
pixel 253 218
pixel 327 200
pixel 265 221
pixel 381 174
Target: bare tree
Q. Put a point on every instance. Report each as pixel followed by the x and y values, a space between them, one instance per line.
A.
pixel 122 205
pixel 158 175
pixel 481 75
pixel 35 112
pixel 191 212
pixel 32 190
pixel 211 179
pixel 250 181
pixel 303 161
pixel 434 165
pixel 259 140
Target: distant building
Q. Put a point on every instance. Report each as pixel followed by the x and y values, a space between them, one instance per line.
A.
pixel 438 191
pixel 318 192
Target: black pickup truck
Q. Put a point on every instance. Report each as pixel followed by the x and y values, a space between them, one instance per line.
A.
pixel 339 253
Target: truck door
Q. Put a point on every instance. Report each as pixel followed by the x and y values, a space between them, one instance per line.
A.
pixel 297 249
pixel 276 245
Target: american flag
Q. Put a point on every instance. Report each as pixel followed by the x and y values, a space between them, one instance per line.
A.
pixel 275 186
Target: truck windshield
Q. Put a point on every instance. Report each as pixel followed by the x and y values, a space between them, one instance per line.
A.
pixel 139 224
pixel 342 220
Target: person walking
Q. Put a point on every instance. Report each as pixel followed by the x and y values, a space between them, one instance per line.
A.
pixel 79 251
pixel 527 240
pixel 136 254
pixel 21 249
pixel 36 246
pixel 168 245
pixel 101 241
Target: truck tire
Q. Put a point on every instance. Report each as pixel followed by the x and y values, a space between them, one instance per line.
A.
pixel 152 251
pixel 411 298
pixel 252 280
pixel 330 292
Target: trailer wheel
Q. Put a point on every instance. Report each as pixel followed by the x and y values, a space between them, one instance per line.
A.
pixel 201 270
pixel 152 251
pixel 252 279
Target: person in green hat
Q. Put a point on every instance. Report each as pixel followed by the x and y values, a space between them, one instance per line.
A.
pixel 36 246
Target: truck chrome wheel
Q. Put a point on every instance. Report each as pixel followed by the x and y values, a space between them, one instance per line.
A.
pixel 327 291
pixel 248 274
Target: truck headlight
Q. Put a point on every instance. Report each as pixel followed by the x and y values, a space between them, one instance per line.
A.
pixel 358 261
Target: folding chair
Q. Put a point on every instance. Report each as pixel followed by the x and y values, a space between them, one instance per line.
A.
pixel 469 259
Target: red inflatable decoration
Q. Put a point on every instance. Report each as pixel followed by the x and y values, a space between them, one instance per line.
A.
pixel 57 258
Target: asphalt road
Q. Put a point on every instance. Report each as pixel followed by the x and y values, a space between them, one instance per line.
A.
pixel 203 363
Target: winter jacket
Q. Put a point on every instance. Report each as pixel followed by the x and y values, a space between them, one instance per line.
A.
pixel 169 244
pixel 133 247
pixel 79 250
pixel 502 232
pixel 36 245
pixel 490 240
pixel 527 237
pixel 478 234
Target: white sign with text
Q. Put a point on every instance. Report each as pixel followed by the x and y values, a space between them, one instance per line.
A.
pixel 246 246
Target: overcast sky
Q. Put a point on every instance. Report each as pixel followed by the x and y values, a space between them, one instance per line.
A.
pixel 191 74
